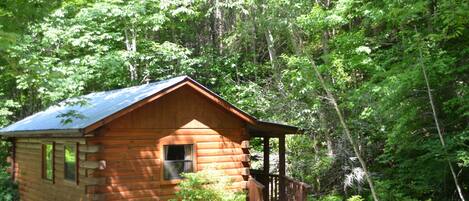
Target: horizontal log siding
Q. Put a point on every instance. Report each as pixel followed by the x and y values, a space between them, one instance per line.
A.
pixel 133 162
pixel 28 171
pixel 132 146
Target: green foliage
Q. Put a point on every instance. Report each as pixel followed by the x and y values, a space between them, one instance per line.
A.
pixel 205 185
pixel 5 147
pixel 332 197
pixel 367 52
pixel 6 107
pixel 355 198
pixel 8 189
pixel 387 191
pixel 304 165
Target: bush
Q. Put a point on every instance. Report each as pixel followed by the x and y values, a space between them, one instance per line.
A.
pixel 203 185
pixel 387 191
pixel 355 198
pixel 8 189
pixel 332 197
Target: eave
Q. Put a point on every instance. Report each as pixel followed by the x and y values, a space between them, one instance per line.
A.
pixel 44 133
pixel 270 129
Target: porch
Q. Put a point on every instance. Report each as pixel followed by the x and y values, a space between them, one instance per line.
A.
pixel 264 186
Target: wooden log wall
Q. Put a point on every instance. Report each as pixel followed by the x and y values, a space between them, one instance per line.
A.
pixel 28 172
pixel 131 147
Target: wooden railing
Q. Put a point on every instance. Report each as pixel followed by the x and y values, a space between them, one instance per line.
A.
pixel 294 190
pixel 255 190
pixel 274 187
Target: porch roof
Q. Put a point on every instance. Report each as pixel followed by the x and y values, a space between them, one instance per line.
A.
pixel 271 129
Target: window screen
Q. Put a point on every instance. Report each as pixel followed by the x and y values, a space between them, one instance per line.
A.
pixel 48 161
pixel 177 159
pixel 70 162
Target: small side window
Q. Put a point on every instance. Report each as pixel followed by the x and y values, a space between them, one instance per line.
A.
pixel 177 159
pixel 70 162
pixel 48 161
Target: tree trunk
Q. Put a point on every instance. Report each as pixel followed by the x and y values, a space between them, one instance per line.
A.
pixel 294 38
pixel 346 129
pixel 218 26
pixel 324 128
pixel 131 46
pixel 271 47
pixel 254 36
pixel 435 118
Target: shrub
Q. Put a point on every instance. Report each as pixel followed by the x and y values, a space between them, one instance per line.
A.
pixel 387 191
pixel 355 198
pixel 204 185
pixel 8 189
pixel 332 197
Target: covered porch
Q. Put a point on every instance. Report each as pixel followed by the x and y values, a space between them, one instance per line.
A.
pixel 265 186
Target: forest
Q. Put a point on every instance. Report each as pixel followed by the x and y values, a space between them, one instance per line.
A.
pixel 380 88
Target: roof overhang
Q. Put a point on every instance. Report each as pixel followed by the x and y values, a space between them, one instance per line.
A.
pixel 255 127
pixel 44 133
pixel 270 129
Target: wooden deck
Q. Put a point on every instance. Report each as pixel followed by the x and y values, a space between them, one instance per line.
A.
pixel 269 186
pixel 274 187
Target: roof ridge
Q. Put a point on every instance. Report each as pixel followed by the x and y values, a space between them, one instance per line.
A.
pixel 156 82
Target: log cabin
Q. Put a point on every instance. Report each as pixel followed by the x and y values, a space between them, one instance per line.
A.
pixel 134 143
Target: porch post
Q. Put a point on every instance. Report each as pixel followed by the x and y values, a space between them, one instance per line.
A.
pixel 281 168
pixel 266 168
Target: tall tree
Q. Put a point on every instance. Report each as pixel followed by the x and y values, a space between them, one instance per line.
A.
pixel 437 124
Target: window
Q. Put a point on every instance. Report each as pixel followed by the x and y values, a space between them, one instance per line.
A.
pixel 177 159
pixel 70 162
pixel 48 161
